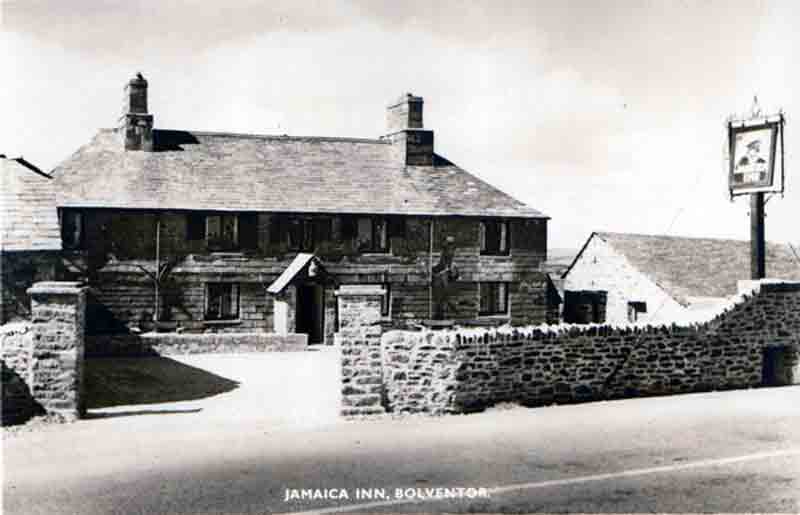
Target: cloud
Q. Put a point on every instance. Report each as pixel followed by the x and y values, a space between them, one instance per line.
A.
pixel 147 27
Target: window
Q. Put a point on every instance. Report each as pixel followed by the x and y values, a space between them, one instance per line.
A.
pixel 371 234
pixel 635 309
pixel 71 229
pixel 494 298
pixel 222 232
pixel 222 301
pixel 306 233
pixel 494 237
pixel 386 301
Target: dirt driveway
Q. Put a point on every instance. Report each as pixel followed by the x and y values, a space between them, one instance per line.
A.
pixel 286 388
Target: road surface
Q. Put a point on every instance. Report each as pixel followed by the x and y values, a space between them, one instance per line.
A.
pixel 736 451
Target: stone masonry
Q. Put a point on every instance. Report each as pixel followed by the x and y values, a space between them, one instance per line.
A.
pixel 359 337
pixel 468 369
pixel 59 320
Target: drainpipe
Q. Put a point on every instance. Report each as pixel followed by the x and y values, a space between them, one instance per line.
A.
pixel 158 265
pixel 430 272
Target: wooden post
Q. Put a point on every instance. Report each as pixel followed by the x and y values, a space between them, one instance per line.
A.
pixel 757 239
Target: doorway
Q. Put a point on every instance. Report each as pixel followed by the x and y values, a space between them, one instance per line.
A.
pixel 780 366
pixel 311 312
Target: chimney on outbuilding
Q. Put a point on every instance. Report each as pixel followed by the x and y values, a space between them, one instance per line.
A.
pixel 405 130
pixel 136 125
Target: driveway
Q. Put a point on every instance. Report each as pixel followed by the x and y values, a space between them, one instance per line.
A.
pixel 735 451
pixel 281 388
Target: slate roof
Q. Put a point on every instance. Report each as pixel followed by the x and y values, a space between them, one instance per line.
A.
pixel 698 267
pixel 197 170
pixel 28 215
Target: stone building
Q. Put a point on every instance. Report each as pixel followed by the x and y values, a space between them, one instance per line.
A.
pixel 650 278
pixel 29 234
pixel 241 232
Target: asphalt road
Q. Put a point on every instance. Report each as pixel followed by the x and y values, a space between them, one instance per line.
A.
pixel 718 452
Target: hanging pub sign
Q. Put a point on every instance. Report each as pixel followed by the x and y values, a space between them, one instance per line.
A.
pixel 755 147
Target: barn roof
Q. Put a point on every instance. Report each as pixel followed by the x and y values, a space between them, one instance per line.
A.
pixel 220 171
pixel 698 267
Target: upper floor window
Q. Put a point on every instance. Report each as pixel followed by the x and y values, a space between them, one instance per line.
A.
pixel 222 301
pixel 71 229
pixel 224 231
pixel 494 298
pixel 371 234
pixel 305 234
pixel 494 237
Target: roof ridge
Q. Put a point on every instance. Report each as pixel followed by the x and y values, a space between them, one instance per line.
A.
pixel 679 237
pixel 280 137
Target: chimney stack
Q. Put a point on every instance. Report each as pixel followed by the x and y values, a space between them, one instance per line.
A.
pixel 136 124
pixel 405 130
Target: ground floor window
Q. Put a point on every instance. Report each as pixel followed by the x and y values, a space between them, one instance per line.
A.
pixel 222 301
pixel 635 310
pixel 494 298
pixel 386 301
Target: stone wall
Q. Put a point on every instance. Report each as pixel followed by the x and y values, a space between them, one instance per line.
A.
pixel 43 359
pixel 17 360
pixel 359 337
pixel 463 370
pixel 108 345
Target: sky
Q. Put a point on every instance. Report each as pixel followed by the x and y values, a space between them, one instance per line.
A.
pixel 606 116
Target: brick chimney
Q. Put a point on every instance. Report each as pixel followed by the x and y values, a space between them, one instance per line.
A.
pixel 405 130
pixel 135 123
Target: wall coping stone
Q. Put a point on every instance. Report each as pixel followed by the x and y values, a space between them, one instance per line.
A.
pixel 360 289
pixel 57 288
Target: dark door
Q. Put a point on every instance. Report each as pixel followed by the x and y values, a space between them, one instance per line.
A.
pixel 311 312
pixel 778 366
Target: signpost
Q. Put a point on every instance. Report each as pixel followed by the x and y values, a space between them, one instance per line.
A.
pixel 755 146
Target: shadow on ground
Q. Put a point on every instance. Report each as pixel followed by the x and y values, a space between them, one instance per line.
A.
pixel 148 380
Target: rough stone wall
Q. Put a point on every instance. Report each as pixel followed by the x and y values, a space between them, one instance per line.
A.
pixel 359 337
pixel 601 268
pixel 108 345
pixel 43 359
pixel 463 370
pixel 59 318
pixel 17 360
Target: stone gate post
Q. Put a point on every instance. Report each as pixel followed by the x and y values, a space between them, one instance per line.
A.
pixel 359 338
pixel 58 312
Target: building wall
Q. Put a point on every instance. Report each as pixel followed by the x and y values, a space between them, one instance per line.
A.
pixel 601 268
pixel 118 244
pixel 18 271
